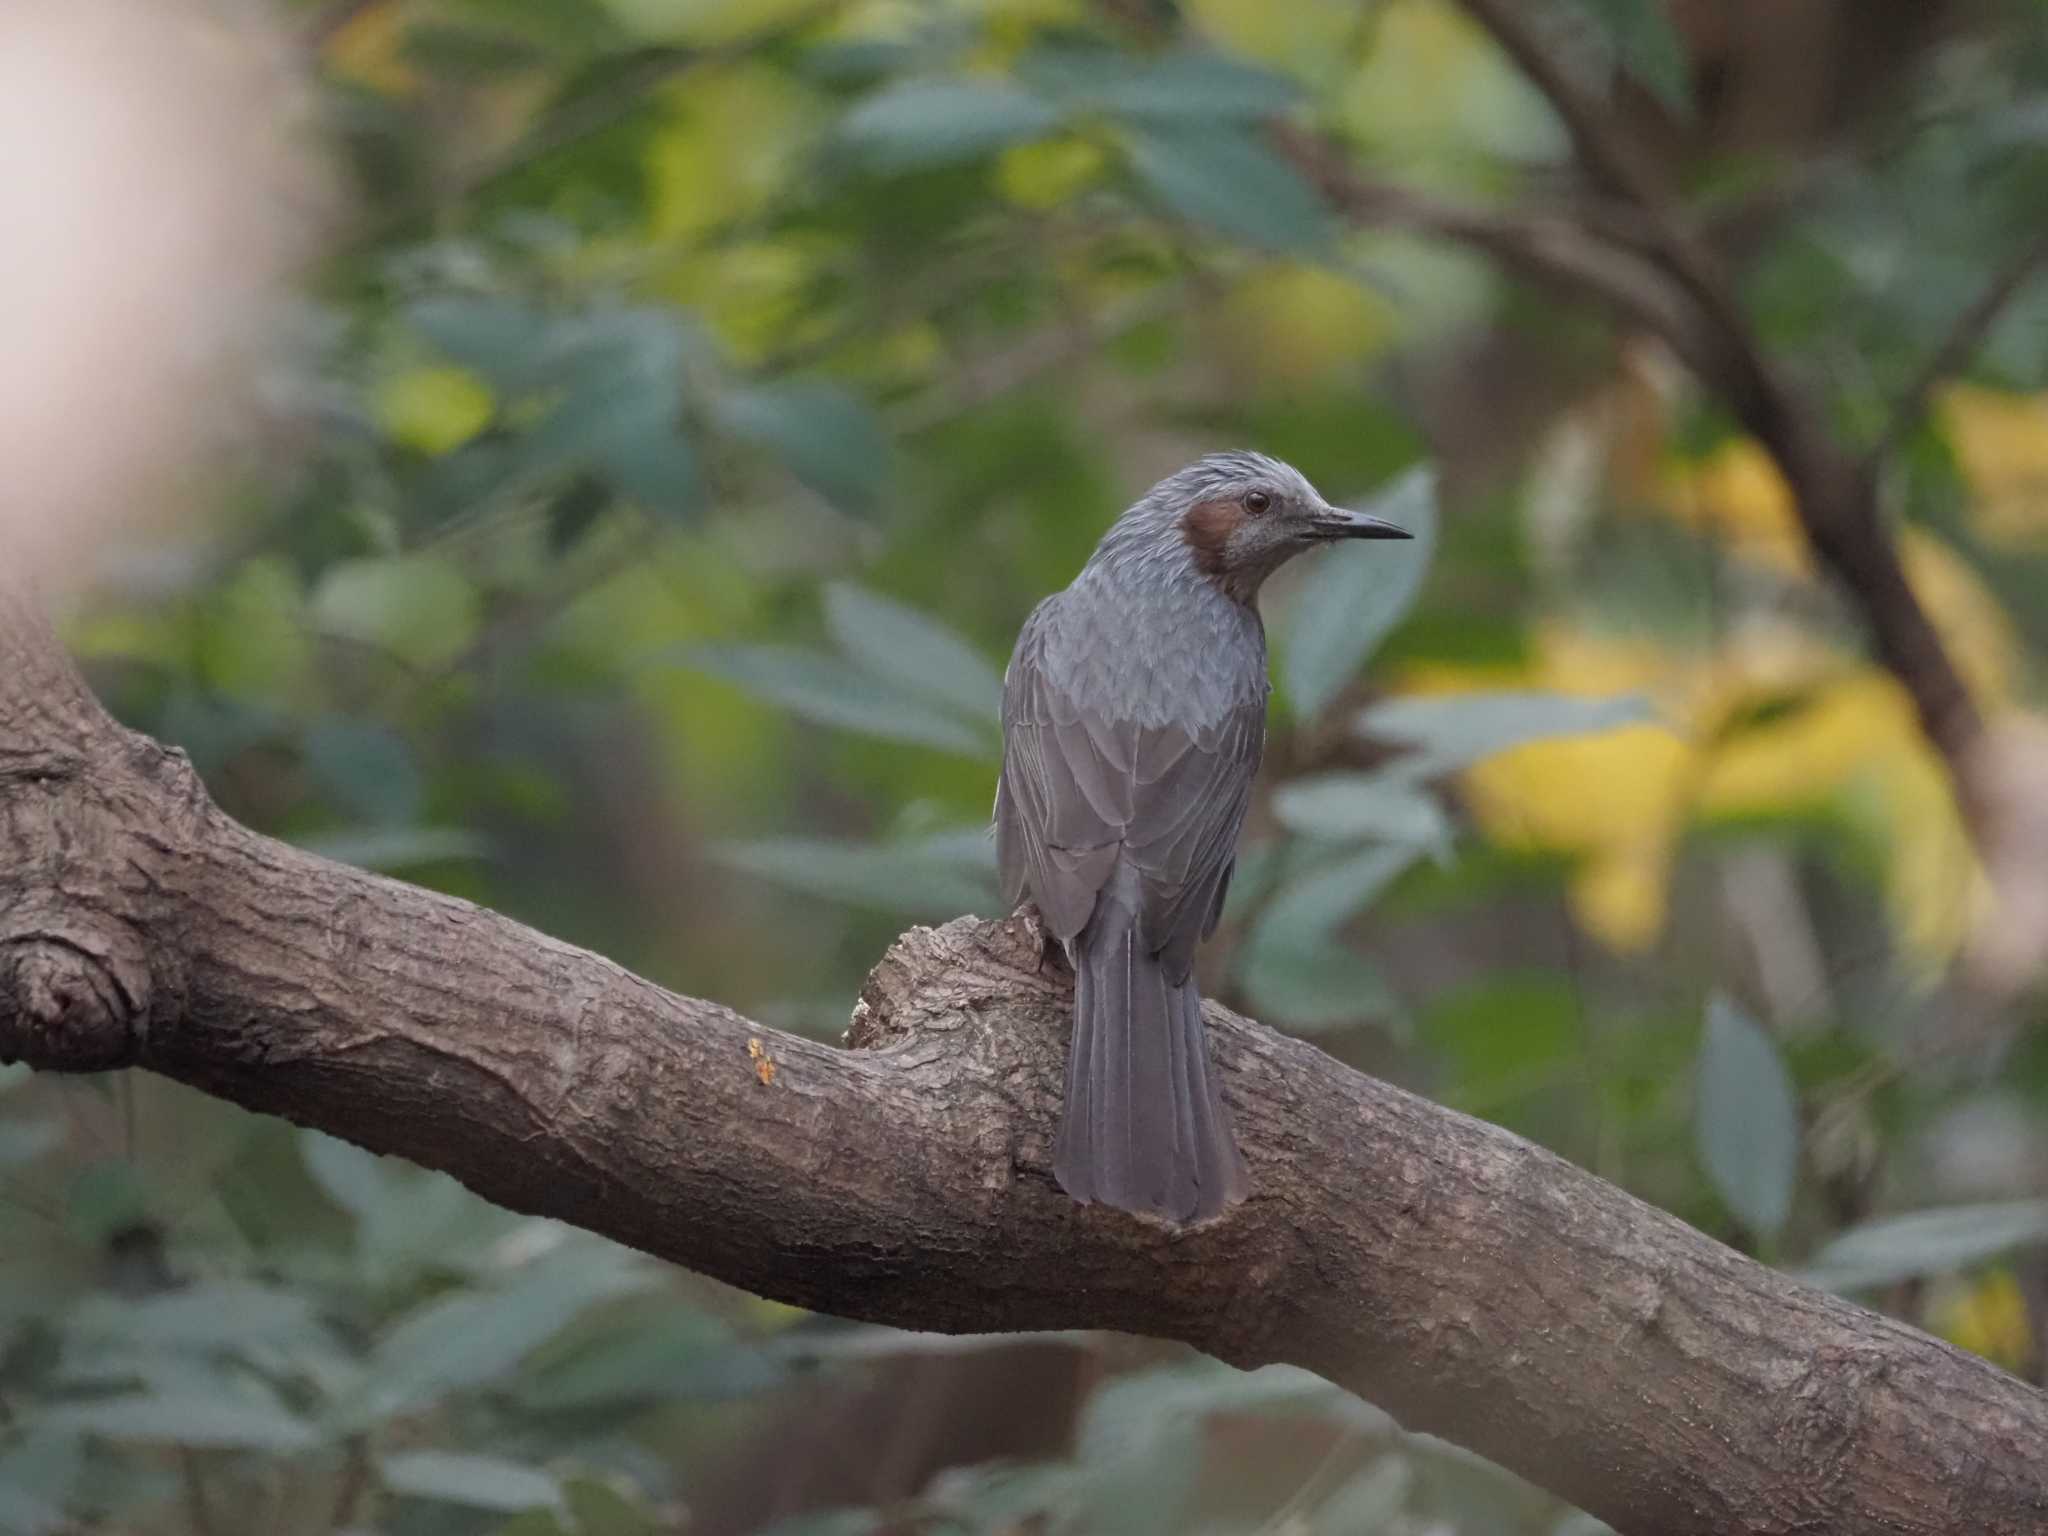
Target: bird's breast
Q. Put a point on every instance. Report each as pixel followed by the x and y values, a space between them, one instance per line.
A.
pixel 1168 654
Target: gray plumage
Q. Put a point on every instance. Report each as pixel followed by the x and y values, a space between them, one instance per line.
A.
pixel 1134 714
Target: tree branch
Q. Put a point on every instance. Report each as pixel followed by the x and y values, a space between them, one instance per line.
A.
pixel 1469 1282
pixel 1678 297
pixel 1611 160
pixel 1833 495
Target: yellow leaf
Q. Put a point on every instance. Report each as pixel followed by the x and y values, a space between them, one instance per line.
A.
pixel 1286 323
pixel 1934 886
pixel 2001 441
pixel 729 147
pixel 253 640
pixel 433 409
pixel 1736 494
pixel 1975 629
pixel 1809 753
pixel 1620 896
pixel 1278 34
pixel 1616 789
pixel 369 50
pixel 1433 89
pixel 1618 797
pixel 876 21
pixel 1988 1317
pixel 751 293
pixel 1040 176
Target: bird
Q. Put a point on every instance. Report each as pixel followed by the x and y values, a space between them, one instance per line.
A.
pixel 1134 718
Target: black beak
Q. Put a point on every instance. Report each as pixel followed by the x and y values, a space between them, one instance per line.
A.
pixel 1340 523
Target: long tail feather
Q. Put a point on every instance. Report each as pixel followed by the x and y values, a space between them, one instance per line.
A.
pixel 1143 1128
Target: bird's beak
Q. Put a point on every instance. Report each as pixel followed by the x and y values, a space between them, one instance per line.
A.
pixel 1341 523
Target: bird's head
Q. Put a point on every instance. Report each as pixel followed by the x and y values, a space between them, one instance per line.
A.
pixel 1243 515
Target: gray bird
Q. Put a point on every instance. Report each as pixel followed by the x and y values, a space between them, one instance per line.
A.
pixel 1134 713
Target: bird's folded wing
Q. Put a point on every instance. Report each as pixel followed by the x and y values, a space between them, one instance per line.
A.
pixel 1079 788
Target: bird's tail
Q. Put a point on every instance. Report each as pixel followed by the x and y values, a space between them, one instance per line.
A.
pixel 1143 1128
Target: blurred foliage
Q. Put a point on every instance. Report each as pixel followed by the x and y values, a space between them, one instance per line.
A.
pixel 697 399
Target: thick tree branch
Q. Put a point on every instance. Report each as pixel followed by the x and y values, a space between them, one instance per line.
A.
pixel 1472 1284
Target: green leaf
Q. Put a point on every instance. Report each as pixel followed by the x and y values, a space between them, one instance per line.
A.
pixel 829 1522
pixel 1646 45
pixel 1936 1242
pixel 823 435
pixel 106 1197
pixel 1224 178
pixel 394 848
pixel 1371 1500
pixel 406 1218
pixel 239 1421
pixel 656 467
pixel 1746 1119
pixel 23 1141
pixel 678 1353
pixel 1292 965
pixel 470 1338
pixel 213 729
pixel 478 1482
pixel 1314 983
pixel 913 651
pixel 222 1315
pixel 506 341
pixel 1140 1443
pixel 921 124
pixel 930 878
pixel 37 1475
pixel 1453 731
pixel 598 1509
pixel 422 608
pixel 1504 1036
pixel 574 510
pixel 621 377
pixel 1009 1496
pixel 1344 807
pixel 1356 593
pixel 1313 904
pixel 821 1339
pixel 360 1182
pixel 830 691
pixel 366 769
pixel 24 1513
pixel 1189 85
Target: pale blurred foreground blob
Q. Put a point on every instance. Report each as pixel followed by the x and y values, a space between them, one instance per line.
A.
pixel 151 197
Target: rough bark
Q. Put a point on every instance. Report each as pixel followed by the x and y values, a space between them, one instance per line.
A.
pixel 1469 1282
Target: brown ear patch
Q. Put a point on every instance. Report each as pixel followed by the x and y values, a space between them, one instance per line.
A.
pixel 1208 528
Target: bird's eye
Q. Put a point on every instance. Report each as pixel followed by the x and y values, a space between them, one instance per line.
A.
pixel 1256 502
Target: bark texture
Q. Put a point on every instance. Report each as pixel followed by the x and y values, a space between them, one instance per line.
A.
pixel 1472 1284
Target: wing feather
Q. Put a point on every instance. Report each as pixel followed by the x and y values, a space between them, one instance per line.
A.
pixel 1080 793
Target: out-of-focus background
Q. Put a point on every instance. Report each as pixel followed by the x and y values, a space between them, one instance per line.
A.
pixel 592 456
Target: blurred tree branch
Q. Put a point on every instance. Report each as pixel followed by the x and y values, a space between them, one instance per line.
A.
pixel 1835 497
pixel 1474 1285
pixel 1639 259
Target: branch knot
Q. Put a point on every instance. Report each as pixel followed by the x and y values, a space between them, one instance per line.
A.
pixel 64 1009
